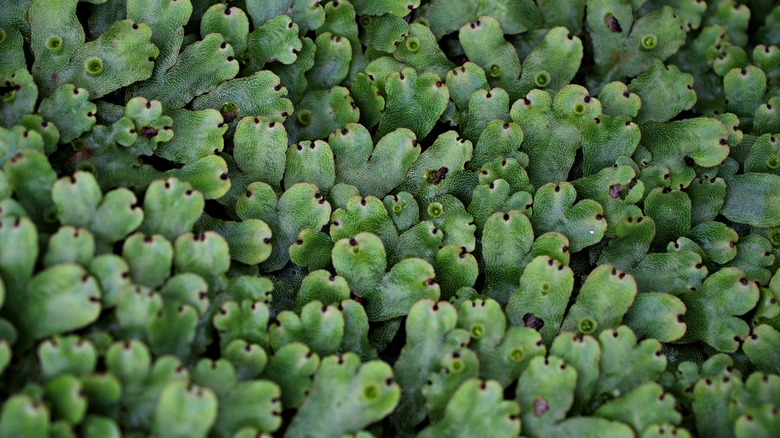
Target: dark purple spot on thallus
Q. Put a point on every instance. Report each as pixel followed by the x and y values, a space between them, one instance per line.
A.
pixel 532 321
pixel 440 174
pixel 148 132
pixel 614 190
pixel 230 115
pixel 540 406
pixel 613 24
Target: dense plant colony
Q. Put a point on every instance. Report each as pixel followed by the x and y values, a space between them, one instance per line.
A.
pixel 378 218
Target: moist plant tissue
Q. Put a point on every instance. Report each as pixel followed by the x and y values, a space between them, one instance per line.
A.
pixel 389 218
